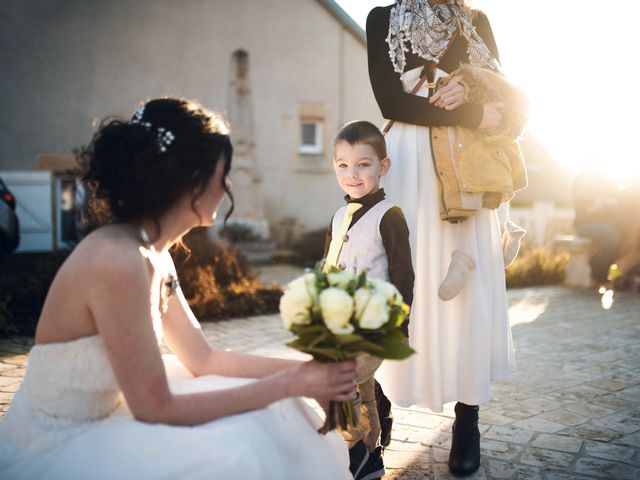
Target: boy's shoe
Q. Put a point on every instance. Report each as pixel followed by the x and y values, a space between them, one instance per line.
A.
pixel 358 457
pixel 373 468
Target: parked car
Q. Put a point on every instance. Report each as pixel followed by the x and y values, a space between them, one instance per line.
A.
pixel 9 226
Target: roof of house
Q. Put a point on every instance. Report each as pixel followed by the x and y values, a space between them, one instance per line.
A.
pixel 345 19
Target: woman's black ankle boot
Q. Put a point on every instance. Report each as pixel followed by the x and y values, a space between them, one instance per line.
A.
pixel 464 457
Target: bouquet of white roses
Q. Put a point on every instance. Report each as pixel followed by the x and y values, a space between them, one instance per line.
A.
pixel 339 315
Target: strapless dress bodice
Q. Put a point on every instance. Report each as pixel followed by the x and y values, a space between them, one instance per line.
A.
pixel 67 387
pixel 72 380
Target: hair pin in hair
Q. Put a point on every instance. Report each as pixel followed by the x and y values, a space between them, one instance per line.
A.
pixel 164 137
pixel 137 118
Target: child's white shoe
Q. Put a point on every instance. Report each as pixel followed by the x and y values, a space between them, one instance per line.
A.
pixel 511 237
pixel 459 270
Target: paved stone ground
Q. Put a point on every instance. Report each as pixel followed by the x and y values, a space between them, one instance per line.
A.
pixel 571 411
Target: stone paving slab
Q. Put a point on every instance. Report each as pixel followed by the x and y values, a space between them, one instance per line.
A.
pixel 570 412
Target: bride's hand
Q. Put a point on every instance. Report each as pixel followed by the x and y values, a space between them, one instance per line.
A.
pixel 325 381
pixel 449 97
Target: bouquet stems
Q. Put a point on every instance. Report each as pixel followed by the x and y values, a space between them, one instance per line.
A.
pixel 340 414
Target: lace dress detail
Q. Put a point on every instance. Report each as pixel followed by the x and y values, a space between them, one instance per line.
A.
pixel 67 386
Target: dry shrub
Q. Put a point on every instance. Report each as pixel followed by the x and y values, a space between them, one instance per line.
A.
pixel 217 280
pixel 24 282
pixel 536 267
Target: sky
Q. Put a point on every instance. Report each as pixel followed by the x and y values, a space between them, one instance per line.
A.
pixel 576 62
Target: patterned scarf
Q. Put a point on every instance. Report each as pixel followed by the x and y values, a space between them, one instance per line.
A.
pixel 429 30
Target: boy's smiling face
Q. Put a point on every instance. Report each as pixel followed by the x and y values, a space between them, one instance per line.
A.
pixel 358 168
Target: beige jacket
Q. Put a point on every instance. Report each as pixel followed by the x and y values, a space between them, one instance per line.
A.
pixel 477 169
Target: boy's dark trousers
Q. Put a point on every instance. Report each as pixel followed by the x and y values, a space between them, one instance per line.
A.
pixel 384 414
pixel 384 404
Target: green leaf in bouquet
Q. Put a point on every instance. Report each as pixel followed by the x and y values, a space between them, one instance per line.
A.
pixel 362 280
pixel 314 340
pixel 322 282
pixel 394 346
pixel 355 343
pixel 346 339
pixel 364 346
pixel 384 329
pixel 309 330
pixel 396 317
pixel 316 315
pixel 399 351
pixel 321 354
pixel 330 269
pixel 319 339
pixel 297 344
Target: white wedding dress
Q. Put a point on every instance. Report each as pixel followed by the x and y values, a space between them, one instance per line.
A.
pixel 68 421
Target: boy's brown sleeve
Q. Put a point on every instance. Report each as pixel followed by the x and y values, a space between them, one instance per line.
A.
pixel 327 239
pixel 395 238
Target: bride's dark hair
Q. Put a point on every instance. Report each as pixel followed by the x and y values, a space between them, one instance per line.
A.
pixel 139 170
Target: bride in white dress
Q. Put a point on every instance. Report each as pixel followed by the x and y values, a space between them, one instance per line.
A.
pixel 98 399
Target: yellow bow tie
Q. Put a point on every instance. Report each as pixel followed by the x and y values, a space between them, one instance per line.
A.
pixel 337 240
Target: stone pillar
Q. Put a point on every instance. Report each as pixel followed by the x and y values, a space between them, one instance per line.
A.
pixel 577 269
pixel 248 221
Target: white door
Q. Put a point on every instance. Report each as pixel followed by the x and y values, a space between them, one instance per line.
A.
pixel 32 190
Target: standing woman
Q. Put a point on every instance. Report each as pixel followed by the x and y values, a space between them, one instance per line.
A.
pixel 464 343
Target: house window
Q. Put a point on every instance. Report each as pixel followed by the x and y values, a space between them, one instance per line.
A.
pixel 311 137
pixel 66 213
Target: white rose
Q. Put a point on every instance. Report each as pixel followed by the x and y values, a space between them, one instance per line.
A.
pixel 388 290
pixel 307 282
pixel 371 309
pixel 295 305
pixel 336 306
pixel 339 279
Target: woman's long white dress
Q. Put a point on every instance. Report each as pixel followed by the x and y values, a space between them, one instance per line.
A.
pixel 466 342
pixel 68 421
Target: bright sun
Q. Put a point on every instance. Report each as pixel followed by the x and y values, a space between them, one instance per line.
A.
pixel 577 60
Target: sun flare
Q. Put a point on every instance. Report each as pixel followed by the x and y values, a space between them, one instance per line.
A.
pixel 570 58
pixel 576 60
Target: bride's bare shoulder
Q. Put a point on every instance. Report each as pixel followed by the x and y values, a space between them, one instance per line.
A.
pixel 115 236
pixel 112 247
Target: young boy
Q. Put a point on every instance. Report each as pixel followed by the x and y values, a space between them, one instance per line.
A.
pixel 369 233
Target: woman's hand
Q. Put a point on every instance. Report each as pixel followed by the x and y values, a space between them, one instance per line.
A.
pixel 491 116
pixel 450 96
pixel 325 381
